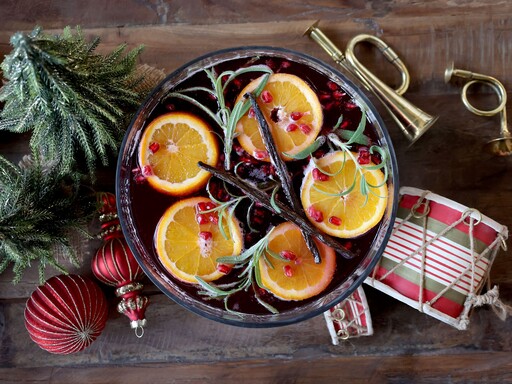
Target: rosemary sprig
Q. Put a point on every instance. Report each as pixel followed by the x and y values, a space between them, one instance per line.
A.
pixel 248 263
pixel 224 116
pixel 357 136
pixel 288 214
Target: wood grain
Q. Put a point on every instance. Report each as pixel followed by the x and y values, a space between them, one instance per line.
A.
pixel 407 346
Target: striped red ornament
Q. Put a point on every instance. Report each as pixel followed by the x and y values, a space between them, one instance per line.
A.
pixel 115 265
pixel 66 314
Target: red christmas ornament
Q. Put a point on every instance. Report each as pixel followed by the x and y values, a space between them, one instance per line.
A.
pixel 66 314
pixel 114 264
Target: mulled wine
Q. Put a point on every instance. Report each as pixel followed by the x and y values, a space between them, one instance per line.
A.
pixel 141 206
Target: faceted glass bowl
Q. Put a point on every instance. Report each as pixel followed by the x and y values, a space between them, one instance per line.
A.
pixel 147 257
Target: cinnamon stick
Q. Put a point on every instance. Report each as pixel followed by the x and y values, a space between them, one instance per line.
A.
pixel 261 197
pixel 282 172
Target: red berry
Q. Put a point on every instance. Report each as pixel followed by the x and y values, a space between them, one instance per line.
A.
pixel 292 127
pixel 315 214
pixel 334 220
pixel 202 219
pixel 267 97
pixel 205 235
pixel 147 171
pixel 305 128
pixel 318 175
pixel 260 155
pixel 251 113
pixel 224 268
pixel 154 147
pixel 288 255
pixel 296 115
pixel 363 156
pixel 288 271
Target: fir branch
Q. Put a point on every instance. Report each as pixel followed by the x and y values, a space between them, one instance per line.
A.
pixel 39 207
pixel 74 101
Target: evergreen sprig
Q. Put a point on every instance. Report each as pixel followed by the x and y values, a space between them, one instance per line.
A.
pixel 40 206
pixel 73 100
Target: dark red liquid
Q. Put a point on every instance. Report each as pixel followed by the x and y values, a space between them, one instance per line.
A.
pixel 148 205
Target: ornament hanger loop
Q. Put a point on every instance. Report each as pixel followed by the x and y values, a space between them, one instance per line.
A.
pixel 139 331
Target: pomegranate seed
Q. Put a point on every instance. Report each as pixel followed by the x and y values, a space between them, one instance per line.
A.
pixel 205 235
pixel 209 205
pixel 325 97
pixel 288 271
pixel 350 105
pixel 298 261
pixel 305 128
pixel 318 175
pixel 214 219
pixel 170 107
pixel 147 171
pixel 202 219
pixel 296 115
pixel 376 159
pixel 292 127
pixel 251 113
pixel 315 214
pixel 348 245
pixel 363 156
pixel 345 124
pixel 237 83
pixel 285 64
pixel 200 207
pixel 224 268
pixel 338 94
pixel 332 85
pixel 334 220
pixel 260 155
pixel 139 179
pixel 267 97
pixel 154 147
pixel 288 255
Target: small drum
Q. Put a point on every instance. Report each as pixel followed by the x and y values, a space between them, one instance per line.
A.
pixel 439 257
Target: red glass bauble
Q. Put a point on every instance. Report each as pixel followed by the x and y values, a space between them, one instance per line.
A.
pixel 66 314
pixel 114 264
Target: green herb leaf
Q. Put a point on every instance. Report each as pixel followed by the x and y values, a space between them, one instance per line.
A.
pixel 320 140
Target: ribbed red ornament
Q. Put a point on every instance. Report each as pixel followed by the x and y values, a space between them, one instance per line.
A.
pixel 114 264
pixel 66 314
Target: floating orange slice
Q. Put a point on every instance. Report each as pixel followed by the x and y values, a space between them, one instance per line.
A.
pixel 298 277
pixel 292 110
pixel 345 216
pixel 188 242
pixel 169 150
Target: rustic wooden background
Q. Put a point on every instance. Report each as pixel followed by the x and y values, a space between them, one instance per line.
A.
pixel 407 346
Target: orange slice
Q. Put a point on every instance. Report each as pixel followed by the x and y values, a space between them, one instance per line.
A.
pixel 169 150
pixel 292 110
pixel 345 216
pixel 188 249
pixel 298 278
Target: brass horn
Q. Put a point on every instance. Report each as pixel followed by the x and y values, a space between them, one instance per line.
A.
pixel 411 120
pixel 502 145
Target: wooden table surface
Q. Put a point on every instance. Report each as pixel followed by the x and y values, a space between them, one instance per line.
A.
pixel 407 346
